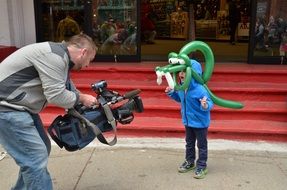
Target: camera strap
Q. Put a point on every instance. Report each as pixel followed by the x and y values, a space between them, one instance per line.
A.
pixel 95 129
pixel 112 122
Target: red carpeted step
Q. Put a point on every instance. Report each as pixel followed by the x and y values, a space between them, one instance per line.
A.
pixel 234 72
pixel 253 110
pixel 172 127
pixel 243 129
pixel 164 115
pixel 154 107
pixel 261 88
pixel 250 73
pixel 174 124
pixel 239 91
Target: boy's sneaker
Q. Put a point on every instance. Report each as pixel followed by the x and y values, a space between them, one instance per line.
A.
pixel 185 167
pixel 200 173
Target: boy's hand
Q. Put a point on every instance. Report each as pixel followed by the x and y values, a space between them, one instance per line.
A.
pixel 167 89
pixel 203 102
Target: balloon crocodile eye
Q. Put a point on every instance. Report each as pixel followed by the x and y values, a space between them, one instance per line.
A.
pixel 176 61
pixel 181 61
pixel 173 60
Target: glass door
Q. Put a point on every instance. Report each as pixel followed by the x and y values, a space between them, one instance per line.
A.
pixel 111 23
pixel 114 29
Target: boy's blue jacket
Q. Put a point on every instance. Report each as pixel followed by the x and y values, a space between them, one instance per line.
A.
pixel 193 114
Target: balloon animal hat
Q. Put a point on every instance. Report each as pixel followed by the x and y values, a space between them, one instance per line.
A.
pixel 181 62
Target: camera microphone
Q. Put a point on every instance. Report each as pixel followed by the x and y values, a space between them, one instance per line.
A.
pixel 131 94
pixel 128 95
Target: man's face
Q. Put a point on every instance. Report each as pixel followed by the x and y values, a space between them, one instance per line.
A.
pixel 83 58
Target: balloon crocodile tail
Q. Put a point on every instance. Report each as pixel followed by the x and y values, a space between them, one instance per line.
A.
pixel 181 62
pixel 224 103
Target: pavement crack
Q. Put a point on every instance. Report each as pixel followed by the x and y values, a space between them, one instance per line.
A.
pixel 83 170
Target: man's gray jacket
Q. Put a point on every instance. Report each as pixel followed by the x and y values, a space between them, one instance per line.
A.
pixel 34 76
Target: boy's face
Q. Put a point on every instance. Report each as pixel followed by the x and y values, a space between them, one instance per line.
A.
pixel 181 76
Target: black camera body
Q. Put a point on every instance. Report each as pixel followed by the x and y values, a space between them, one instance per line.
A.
pixel 81 125
pixel 123 113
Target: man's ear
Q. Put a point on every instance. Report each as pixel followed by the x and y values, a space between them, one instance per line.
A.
pixel 84 51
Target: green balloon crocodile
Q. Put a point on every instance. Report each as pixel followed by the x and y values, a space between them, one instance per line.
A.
pixel 181 62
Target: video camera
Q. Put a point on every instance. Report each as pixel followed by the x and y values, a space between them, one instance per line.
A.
pixel 81 125
pixel 124 113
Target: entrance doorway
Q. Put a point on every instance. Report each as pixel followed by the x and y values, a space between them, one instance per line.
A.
pixel 177 22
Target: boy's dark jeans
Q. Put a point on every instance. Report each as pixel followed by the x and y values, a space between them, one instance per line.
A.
pixel 191 136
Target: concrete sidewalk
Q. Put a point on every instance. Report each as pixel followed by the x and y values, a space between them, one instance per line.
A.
pixel 151 164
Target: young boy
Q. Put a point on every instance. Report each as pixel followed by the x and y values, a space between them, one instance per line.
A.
pixel 195 111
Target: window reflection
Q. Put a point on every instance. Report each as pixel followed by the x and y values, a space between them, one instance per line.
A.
pixel 271 29
pixel 114 27
pixel 61 19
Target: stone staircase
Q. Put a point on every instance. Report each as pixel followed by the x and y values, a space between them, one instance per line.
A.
pixel 261 88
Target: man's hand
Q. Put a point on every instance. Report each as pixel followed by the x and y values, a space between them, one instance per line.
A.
pixel 203 102
pixel 88 100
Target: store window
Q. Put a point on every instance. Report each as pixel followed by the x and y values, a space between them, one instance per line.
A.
pixel 170 18
pixel 59 20
pixel 164 27
pixel 222 20
pixel 269 41
pixel 112 24
pixel 114 27
pixel 177 22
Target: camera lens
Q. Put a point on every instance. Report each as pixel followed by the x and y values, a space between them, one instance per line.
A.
pixel 99 85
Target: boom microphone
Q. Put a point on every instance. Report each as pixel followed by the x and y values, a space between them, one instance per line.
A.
pixel 131 94
pixel 128 95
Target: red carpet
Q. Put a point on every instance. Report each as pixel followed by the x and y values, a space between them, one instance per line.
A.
pixel 261 88
pixel 5 51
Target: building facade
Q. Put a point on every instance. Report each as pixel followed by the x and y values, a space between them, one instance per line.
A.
pixel 134 30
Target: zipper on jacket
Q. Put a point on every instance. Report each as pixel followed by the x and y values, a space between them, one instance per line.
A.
pixel 43 106
pixel 184 98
